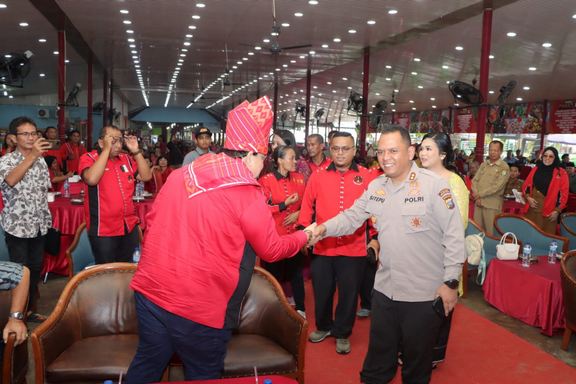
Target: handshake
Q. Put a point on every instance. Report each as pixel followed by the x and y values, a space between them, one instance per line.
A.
pixel 315 233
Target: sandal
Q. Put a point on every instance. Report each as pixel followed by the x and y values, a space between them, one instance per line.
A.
pixel 34 317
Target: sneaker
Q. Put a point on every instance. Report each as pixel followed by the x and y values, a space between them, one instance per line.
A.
pixel 363 312
pixel 301 313
pixel 343 346
pixel 318 336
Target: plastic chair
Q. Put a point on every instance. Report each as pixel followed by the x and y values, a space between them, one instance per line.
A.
pixel 79 254
pixel 4 255
pixel 568 228
pixel 527 232
pixel 568 276
pixel 489 252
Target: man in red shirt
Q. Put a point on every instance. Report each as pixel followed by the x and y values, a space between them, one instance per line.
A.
pixel 337 262
pixel 316 158
pixel 51 134
pixel 110 177
pixel 71 151
pixel 206 227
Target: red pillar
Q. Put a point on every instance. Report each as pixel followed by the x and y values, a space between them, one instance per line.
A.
pixel 308 94
pixel 61 84
pixel 89 123
pixel 484 75
pixel 364 117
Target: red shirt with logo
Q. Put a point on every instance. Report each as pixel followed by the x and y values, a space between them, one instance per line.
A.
pixel 108 206
pixel 71 153
pixel 277 188
pixel 328 193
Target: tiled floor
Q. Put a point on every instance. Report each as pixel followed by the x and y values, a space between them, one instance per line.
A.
pixel 475 301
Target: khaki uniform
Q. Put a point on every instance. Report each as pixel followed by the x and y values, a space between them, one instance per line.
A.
pixel 419 229
pixel 488 185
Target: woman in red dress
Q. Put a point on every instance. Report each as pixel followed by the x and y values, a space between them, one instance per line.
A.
pixel 284 189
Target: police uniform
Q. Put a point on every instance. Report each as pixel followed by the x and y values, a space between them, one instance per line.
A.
pixel 488 185
pixel 109 210
pixel 422 245
pixel 337 261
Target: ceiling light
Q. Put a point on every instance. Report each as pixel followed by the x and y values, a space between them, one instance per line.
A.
pixel 42 75
pixel 445 67
pixel 416 59
pixel 337 40
pixel 184 50
pixel 459 48
pixel 124 11
pixel 532 68
pixel 66 61
pixel 127 22
pixel 377 93
pixel 392 11
pixel 345 78
pixel 313 2
pixel 388 67
pixel 134 52
pixel 329 83
pixel 41 40
pixel 239 62
pixel 333 91
pixel 129 31
pixel 285 25
pixel 349 87
pixel 433 107
pixel 351 31
pixel 298 14
pixel 420 87
pixel 302 57
pixel 200 5
pixel 371 22
pixel 131 40
pixel 189 36
pixel 388 79
pixel 293 61
pixel 265 40
pixel 432 99
pixel 257 48
pixel 55 52
pixel 277 69
pixel 135 57
pixel 285 65
pixel 396 90
pixel 234 67
pixel 191 27
pixel 526 88
pixel 245 58
pixel 411 101
pixel 250 53
pixel 413 108
pixel 414 73
pixel 132 45
pixel 574 16
pixel 491 92
pixel 187 43
pixel 491 57
pixel 546 45
pixel 196 17
pixel 23 24
pixel 324 45
pixel 519 99
pixel 511 34
pixel 312 52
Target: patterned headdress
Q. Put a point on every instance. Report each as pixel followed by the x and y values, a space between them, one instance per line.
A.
pixel 248 127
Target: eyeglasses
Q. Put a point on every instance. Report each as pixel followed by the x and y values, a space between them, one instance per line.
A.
pixel 340 149
pixel 115 139
pixel 28 134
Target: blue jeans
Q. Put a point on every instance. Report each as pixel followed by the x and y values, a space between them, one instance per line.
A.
pixel 202 349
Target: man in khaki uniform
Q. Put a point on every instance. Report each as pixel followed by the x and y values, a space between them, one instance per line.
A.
pixel 488 187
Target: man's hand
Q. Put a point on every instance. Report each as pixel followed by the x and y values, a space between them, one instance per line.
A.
pixel 291 218
pixel 449 297
pixel 131 142
pixel 318 232
pixel 18 327
pixel 40 146
pixel 478 202
pixel 553 216
pixel 108 139
pixel 291 199
pixel 375 245
pixel 532 202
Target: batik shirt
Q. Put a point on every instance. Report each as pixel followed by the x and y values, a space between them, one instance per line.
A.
pixel 25 212
pixel 10 275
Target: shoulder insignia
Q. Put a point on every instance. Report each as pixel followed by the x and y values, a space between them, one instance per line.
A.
pixel 412 176
pixel 381 192
pixel 414 188
pixel 446 195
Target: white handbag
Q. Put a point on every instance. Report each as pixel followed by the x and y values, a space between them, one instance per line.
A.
pixel 507 251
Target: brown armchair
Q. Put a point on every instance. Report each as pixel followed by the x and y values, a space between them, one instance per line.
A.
pixel 92 333
pixel 568 275
pixel 271 335
pixel 15 361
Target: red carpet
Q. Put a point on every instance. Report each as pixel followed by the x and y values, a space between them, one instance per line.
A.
pixel 479 351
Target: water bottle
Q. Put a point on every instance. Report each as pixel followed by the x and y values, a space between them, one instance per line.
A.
pixel 66 189
pixel 136 254
pixel 552 252
pixel 267 381
pixel 139 189
pixel 526 253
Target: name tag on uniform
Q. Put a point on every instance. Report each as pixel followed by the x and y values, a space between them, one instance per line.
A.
pixel 124 168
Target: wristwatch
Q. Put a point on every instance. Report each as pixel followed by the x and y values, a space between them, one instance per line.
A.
pixel 16 315
pixel 452 284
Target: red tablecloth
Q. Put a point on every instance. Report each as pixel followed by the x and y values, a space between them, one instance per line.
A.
pixel 532 295
pixel 244 380
pixel 511 206
pixel 67 217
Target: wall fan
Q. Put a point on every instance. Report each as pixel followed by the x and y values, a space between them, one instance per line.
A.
pixel 378 112
pixel 14 67
pixel 355 102
pixel 465 93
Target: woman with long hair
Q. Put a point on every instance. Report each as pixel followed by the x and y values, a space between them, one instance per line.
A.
pixel 284 189
pixel 436 155
pixel 546 191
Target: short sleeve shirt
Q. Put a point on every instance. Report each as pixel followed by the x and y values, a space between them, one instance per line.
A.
pixel 10 275
pixel 25 212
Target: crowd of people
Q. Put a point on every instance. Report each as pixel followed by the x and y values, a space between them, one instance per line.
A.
pixel 261 196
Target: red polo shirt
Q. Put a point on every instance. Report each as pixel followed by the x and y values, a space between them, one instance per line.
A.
pixel 328 193
pixel 71 154
pixel 108 205
pixel 277 188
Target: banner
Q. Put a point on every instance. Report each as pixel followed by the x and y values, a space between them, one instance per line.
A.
pixel 562 117
pixel 424 121
pixel 516 118
pixel 465 120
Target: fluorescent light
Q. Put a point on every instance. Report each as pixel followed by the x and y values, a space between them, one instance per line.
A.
pixel 388 67
pixel 42 75
pixel 337 40
pixel 416 59
pixel 352 31
pixel 200 5
pixel 532 68
pixel 127 22
pixel 191 27
pixel 313 2
pixel 459 48
pixel 371 22
pixel 41 40
pixel 546 45
pixel 526 88
pixel 392 11
pixel 519 99
pixel 491 57
pixel 285 25
pixel 298 14
pixel 324 45
pixel 129 31
pixel 23 24
pixel 511 34
pixel 196 17
pixel 445 67
pixel 124 11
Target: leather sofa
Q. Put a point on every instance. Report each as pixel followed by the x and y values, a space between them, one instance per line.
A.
pixel 568 276
pixel 92 333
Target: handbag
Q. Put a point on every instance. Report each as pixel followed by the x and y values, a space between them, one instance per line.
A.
pixel 52 242
pixel 507 251
pixel 474 248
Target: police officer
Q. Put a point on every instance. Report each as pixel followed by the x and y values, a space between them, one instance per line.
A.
pixel 421 257
pixel 488 187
